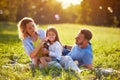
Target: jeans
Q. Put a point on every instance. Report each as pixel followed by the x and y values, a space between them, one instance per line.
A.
pixel 68 63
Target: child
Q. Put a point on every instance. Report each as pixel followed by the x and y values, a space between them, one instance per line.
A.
pixel 55 47
pixel 55 52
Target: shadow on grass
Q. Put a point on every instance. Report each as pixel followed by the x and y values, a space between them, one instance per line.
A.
pixel 8 38
pixel 7 26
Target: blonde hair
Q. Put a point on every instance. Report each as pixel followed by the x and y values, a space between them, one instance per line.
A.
pixel 22 27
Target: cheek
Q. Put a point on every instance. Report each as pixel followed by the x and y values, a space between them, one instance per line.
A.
pixel 54 37
pixel 79 40
pixel 76 39
pixel 29 31
pixel 82 40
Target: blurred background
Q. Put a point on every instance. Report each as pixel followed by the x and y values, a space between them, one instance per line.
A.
pixel 91 12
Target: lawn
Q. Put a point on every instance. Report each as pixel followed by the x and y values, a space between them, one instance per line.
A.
pixel 14 64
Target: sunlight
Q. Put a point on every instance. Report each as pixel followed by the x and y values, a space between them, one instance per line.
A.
pixel 67 3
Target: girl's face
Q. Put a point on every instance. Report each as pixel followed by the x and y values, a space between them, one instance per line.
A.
pixel 30 28
pixel 51 36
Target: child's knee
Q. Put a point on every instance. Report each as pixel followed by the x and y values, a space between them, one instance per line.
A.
pixel 42 59
pixel 68 58
pixel 49 59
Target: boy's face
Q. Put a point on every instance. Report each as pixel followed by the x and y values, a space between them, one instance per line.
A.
pixel 51 36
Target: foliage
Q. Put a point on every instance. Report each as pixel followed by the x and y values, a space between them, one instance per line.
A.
pixel 95 12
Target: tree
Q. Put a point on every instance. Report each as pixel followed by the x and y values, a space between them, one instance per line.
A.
pixel 47 10
pixel 84 12
pixel 99 12
pixel 23 9
pixel 8 10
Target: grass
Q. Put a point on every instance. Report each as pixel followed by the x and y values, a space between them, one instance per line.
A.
pixel 105 43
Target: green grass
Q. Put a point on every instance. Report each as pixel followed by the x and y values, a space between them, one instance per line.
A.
pixel 105 43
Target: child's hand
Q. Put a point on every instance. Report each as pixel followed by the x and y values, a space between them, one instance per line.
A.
pixel 44 40
pixel 45 51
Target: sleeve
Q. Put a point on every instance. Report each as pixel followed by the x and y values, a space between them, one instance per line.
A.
pixel 28 46
pixel 57 52
pixel 41 33
pixel 87 58
pixel 69 54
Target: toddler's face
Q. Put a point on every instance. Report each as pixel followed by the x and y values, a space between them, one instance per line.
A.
pixel 51 36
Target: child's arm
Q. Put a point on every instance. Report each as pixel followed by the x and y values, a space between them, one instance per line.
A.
pixel 57 51
pixel 36 50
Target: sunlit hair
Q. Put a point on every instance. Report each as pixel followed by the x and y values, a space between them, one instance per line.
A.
pixel 50 28
pixel 87 33
pixel 22 27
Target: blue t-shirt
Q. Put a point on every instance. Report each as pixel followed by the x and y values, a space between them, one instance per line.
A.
pixel 82 55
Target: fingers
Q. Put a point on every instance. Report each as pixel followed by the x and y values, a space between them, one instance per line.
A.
pixel 44 40
pixel 45 51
